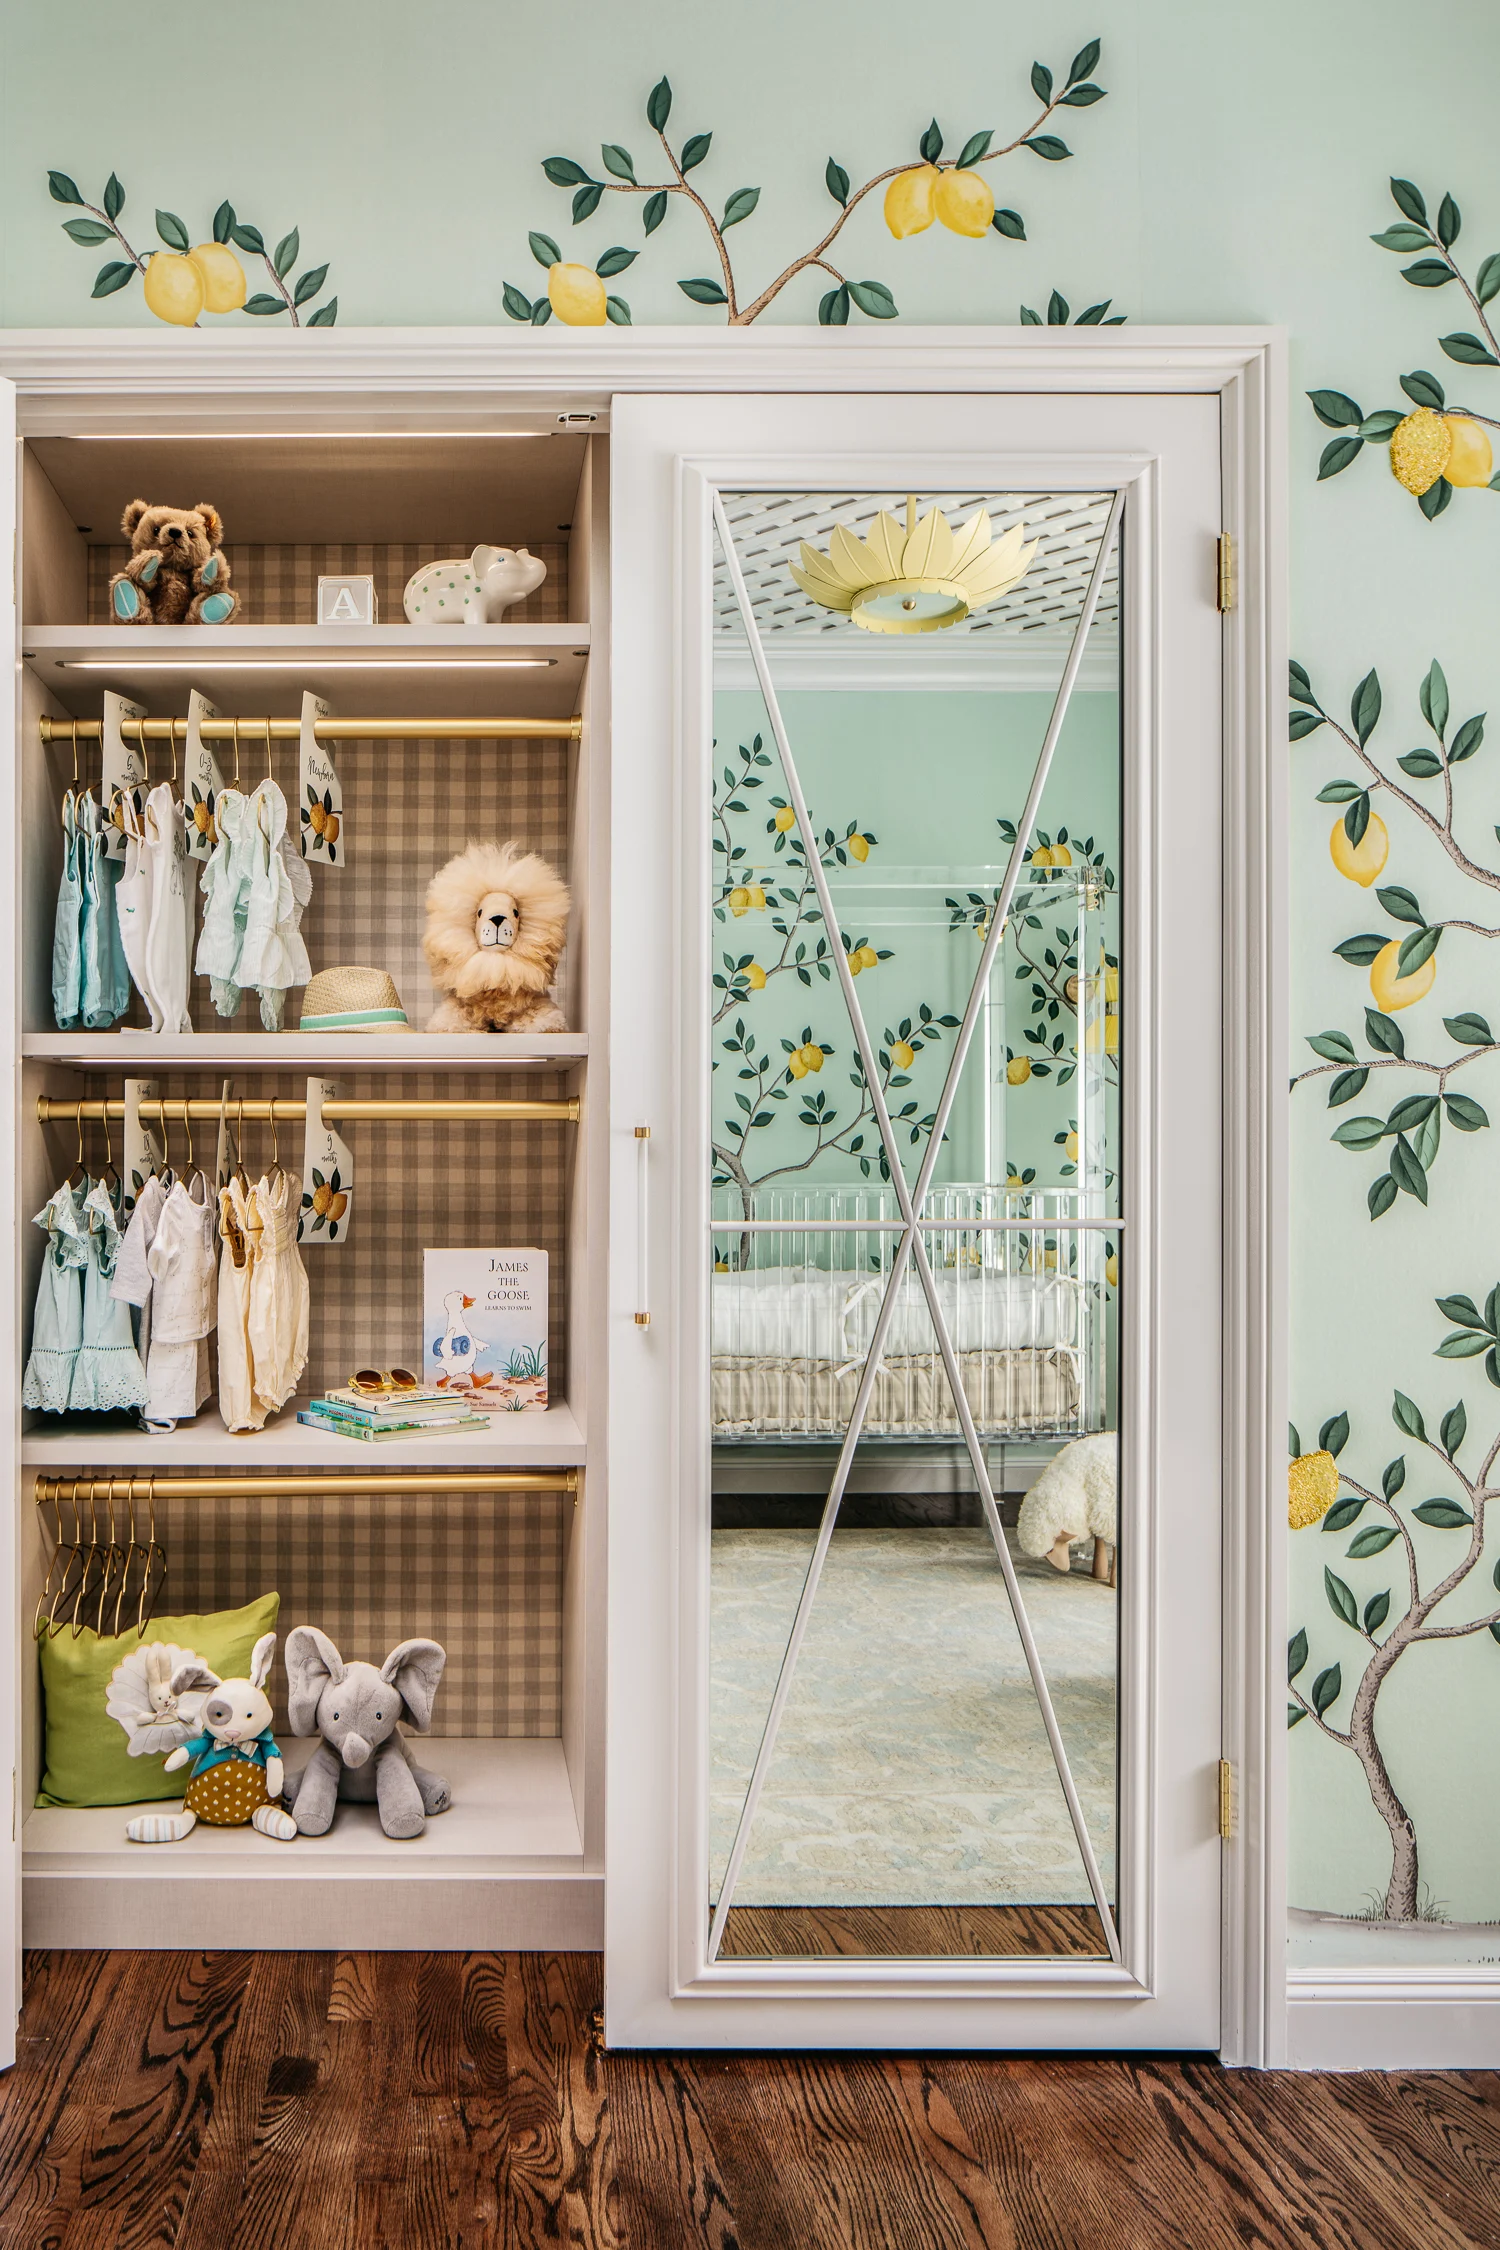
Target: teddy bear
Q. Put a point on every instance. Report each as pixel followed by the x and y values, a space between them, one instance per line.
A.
pixel 178 573
pixel 497 917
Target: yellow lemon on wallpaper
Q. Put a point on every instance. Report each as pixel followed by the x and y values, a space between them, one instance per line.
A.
pixel 1420 447
pixel 1014 1183
pixel 1111 1035
pixel 174 289
pixel 1312 1486
pixel 902 1055
pixel 1112 1270
pixel 785 819
pixel 1111 984
pixel 908 200
pixel 576 295
pixel 1041 857
pixel 223 276
pixel 796 1065
pixel 1363 861
pixel 1472 460
pixel 1018 1070
pixel 858 847
pixel 812 1056
pixel 757 898
pixel 755 977
pixel 1070 1148
pixel 739 901
pixel 1391 991
pixel 867 957
pixel 964 203
pixel 856 962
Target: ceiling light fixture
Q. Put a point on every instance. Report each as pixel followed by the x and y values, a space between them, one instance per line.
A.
pixel 917 580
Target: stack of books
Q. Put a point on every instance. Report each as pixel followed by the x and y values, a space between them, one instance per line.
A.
pixel 376 1416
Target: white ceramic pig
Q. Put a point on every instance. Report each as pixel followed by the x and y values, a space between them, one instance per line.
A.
pixel 476 592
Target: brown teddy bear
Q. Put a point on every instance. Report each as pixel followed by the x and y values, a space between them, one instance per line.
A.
pixel 178 574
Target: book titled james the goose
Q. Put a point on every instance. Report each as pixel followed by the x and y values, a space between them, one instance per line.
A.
pixel 485 1327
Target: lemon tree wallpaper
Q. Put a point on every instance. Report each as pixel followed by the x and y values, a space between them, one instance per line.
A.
pixel 1147 158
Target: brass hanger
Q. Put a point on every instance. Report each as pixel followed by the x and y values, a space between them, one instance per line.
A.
pixel 78 1177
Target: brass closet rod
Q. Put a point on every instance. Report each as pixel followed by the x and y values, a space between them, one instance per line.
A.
pixel 311 1485
pixel 276 1111
pixel 251 731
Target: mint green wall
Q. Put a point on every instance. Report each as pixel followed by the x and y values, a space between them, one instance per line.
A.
pixel 1235 172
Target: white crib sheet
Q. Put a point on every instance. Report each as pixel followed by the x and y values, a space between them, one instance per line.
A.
pixel 803 1313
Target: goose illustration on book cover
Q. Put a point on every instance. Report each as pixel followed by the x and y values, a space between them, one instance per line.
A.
pixel 485 1327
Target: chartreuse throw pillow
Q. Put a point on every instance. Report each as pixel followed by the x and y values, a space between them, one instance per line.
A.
pixel 87 1762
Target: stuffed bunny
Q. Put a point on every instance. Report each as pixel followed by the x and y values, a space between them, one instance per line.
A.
pixel 236 1767
pixel 362 1757
pixel 155 1716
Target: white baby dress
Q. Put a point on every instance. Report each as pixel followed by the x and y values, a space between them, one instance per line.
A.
pixel 166 1270
pixel 255 887
pixel 155 905
pixel 263 1301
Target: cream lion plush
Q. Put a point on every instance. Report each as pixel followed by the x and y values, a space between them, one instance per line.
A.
pixel 497 917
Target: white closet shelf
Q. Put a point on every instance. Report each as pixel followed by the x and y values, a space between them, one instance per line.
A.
pixel 550 1440
pixel 376 671
pixel 320 1051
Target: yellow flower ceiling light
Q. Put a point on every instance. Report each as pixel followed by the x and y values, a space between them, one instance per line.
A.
pixel 917 580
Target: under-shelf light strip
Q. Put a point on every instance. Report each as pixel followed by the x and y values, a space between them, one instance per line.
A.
pixel 354 663
pixel 318 1485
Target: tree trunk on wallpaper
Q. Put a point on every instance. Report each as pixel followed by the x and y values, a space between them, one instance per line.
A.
pixel 1401 1892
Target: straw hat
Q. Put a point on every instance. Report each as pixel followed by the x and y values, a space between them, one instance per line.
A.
pixel 352 1000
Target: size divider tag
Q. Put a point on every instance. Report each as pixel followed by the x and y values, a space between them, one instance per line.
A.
pixel 327 1174
pixel 144 1146
pixel 201 781
pixel 124 772
pixel 320 801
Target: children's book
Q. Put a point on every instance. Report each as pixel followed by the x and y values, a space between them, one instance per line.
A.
pixel 375 1436
pixel 485 1328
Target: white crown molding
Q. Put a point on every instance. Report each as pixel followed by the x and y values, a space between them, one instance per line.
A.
pixel 1019 664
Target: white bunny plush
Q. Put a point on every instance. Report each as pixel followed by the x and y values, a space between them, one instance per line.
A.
pixel 236 1771
pixel 141 1698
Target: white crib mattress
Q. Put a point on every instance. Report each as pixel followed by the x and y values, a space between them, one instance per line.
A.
pixel 802 1312
pixel 1009 1393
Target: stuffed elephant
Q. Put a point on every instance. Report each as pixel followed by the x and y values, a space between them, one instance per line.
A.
pixel 362 1757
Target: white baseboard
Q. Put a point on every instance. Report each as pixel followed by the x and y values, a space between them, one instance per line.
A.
pixel 1413 2019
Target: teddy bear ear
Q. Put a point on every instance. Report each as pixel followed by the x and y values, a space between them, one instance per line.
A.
pixel 133 515
pixel 213 522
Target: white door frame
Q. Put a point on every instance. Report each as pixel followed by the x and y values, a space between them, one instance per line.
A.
pixel 134 381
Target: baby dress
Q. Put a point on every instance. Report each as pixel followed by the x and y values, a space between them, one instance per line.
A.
pixel 181 1264
pixel 106 1373
pixel 238 1405
pixel 169 933
pixel 132 1279
pixel 273 956
pixel 225 883
pixel 67 965
pixel 133 904
pixel 104 980
pixel 57 1326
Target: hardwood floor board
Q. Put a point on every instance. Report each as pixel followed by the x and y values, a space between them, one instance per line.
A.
pixel 482 2007
pixel 920 1932
pixel 673 2191
pixel 557 2182
pixel 65 2058
pixel 299 2181
pixel 354 1988
pixel 455 2161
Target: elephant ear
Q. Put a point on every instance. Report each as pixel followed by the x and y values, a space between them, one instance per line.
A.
pixel 311 1662
pixel 414 1670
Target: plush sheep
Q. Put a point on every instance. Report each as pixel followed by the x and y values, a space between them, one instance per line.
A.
pixel 1073 1499
pixel 496 920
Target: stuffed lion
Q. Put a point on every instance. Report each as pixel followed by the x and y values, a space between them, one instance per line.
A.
pixel 497 917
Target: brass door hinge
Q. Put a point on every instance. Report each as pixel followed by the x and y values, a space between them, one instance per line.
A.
pixel 1226 1799
pixel 1227 588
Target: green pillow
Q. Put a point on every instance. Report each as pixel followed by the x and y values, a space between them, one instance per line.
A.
pixel 87 1761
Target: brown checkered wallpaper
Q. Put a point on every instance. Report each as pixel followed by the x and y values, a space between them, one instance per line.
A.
pixel 278 585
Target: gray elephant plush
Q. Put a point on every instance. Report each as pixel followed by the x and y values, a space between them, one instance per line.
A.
pixel 362 1757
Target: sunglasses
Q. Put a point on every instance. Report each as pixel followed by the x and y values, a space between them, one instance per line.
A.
pixel 384 1379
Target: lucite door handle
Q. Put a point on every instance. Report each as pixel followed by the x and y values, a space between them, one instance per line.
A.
pixel 642 1233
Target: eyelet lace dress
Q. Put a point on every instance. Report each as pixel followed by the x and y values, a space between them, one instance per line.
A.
pixel 107 1373
pixel 57 1325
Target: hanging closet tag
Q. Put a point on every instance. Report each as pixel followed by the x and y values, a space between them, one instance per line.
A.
pixel 321 799
pixel 201 781
pixel 124 768
pixel 143 1143
pixel 327 1174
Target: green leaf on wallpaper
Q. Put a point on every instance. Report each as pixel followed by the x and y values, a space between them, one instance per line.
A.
pixel 114 199
pixel 563 172
pixel 89 232
pixel 62 189
pixel 112 277
pixel 1041 82
pixel 1465 1114
pixel 286 254
pixel 1093 316
pixel 1409 200
pixel 1336 409
pixel 1487 280
pixel 1334 1435
pixel 703 292
pixel 224 221
pixel 833 310
pixel 516 302
pixel 1418 949
pixel 265 304
pixel 1377 1610
pixel 1030 319
pixel 1360 1132
pixel 974 147
pixel 1357 819
pixel 1448 222
pixel 1343 1512
pixel 931 144
pixel 1300 688
pixel 836 179
pixel 544 249
pixel 1084 63
pixel 1442 1515
pixel 1411 1112
pixel 1339 793
pixel 1010 224
pixel 1461 1309
pixel 1455 1428
pixel 740 206
pixel 1294 1442
pixel 1364 707
pixel 1296 1653
pixel 694 149
pixel 1426 1138
pixel 1057 310
pixel 1303 723
pixel 1424 389
pixel 1361 950
pixel 654 210
pixel 1381 1196
pixel 587 200
pixel 873 299
pixel 1327 1688
pixel 1422 765
pixel 1428 273
pixel 617 311
pixel 1405 239
pixel 1048 145
pixel 326 315
pixel 1294 1712
pixel 249 239
pixel 1408 1417
pixel 172 231
pixel 615 261
pixel 1333 1046
pixel 1469 1030
pixel 618 160
pixel 1346 1086
pixel 659 105
pixel 1373 1541
pixel 1467 740
pixel 1433 697
pixel 1377 427
pixel 1407 1173
pixel 1466 1345
pixel 1400 904
pixel 1337 455
pixel 1435 499
pixel 309 284
pixel 1393 1476
pixel 1082 97
pixel 1470 350
pixel 1384 1032
pixel 1340 1599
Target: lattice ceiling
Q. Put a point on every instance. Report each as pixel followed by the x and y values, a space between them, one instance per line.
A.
pixel 769 528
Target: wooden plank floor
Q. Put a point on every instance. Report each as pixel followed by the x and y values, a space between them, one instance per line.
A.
pixel 283 2101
